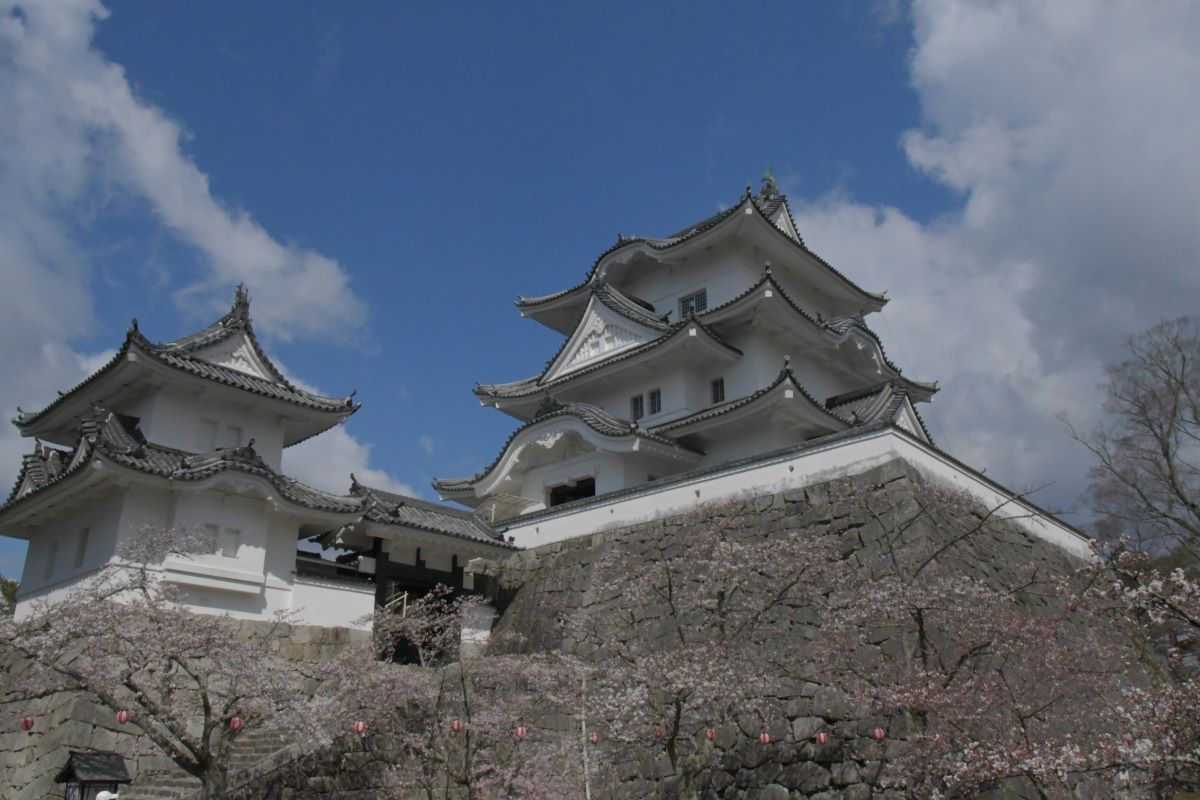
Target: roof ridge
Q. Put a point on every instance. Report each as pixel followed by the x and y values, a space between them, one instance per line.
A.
pixel 532 385
pixel 760 204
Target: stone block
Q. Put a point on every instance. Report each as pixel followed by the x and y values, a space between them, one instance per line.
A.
pixel 772 791
pixel 804 728
pixel 807 776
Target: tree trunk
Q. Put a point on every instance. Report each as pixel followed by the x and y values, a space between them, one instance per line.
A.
pixel 213 783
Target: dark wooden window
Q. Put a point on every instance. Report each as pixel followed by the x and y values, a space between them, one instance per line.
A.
pixel 637 407
pixel 655 401
pixel 718 390
pixel 584 487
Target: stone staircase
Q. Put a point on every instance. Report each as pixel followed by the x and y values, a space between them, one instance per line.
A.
pixel 251 749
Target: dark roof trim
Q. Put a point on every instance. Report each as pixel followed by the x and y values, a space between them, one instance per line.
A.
pixel 388 508
pixel 785 376
pixel 762 205
pixel 177 355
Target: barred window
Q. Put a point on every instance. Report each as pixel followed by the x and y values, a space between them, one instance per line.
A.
pixel 718 390
pixel 637 407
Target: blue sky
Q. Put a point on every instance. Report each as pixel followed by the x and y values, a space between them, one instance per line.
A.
pixel 1022 180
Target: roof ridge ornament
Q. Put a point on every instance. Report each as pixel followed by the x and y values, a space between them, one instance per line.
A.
pixel 241 301
pixel 767 267
pixel 770 189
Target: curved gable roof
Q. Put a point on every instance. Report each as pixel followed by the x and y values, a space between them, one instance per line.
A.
pixel 764 206
pixel 532 386
pixel 594 417
pixel 181 355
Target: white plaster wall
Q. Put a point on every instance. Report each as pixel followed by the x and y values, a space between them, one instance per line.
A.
pixel 28 602
pixel 176 418
pixel 333 603
pixel 791 471
pixel 762 438
pixel 723 272
pixel 247 515
pixel 100 516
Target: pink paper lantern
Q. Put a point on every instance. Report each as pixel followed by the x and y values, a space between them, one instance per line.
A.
pixel 236 724
pixel 711 734
pixel 594 737
pixel 878 734
pixel 27 723
pixel 122 716
pixel 764 738
pixel 521 731
pixel 360 728
pixel 456 725
pixel 659 732
pixel 822 738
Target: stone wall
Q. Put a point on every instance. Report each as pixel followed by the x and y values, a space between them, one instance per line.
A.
pixel 65 721
pixel 558 582
pixel 549 585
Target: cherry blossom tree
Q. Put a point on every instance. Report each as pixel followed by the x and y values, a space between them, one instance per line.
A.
pixel 464 725
pixel 183 677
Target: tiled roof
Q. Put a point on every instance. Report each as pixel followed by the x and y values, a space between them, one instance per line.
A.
pixel 630 307
pixel 766 205
pixel 839 326
pixel 532 386
pixel 878 402
pixel 116 438
pixel 178 355
pixel 785 376
pixel 388 508
pixel 594 417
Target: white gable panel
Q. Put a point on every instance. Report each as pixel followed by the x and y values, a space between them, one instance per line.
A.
pixel 237 353
pixel 906 419
pixel 600 334
pixel 783 221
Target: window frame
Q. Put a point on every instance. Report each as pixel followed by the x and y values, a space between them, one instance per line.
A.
pixel 717 387
pixel 654 401
pixel 637 406
pixel 689 300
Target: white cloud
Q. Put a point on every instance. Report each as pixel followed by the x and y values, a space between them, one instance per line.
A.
pixel 427 444
pixel 73 136
pixel 326 462
pixel 1072 131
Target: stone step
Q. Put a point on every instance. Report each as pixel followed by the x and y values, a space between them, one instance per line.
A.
pixel 250 748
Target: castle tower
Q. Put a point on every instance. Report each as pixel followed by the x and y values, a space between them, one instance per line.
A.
pixel 189 435
pixel 724 341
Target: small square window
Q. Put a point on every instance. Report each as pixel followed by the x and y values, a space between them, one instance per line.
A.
pixel 655 401
pixel 637 407
pixel 230 541
pixel 718 390
pixel 208 435
pixel 692 304
pixel 209 535
pixel 233 436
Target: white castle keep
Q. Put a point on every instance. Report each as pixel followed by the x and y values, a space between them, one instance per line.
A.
pixel 721 360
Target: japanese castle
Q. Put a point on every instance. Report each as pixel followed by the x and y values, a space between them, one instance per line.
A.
pixel 721 360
